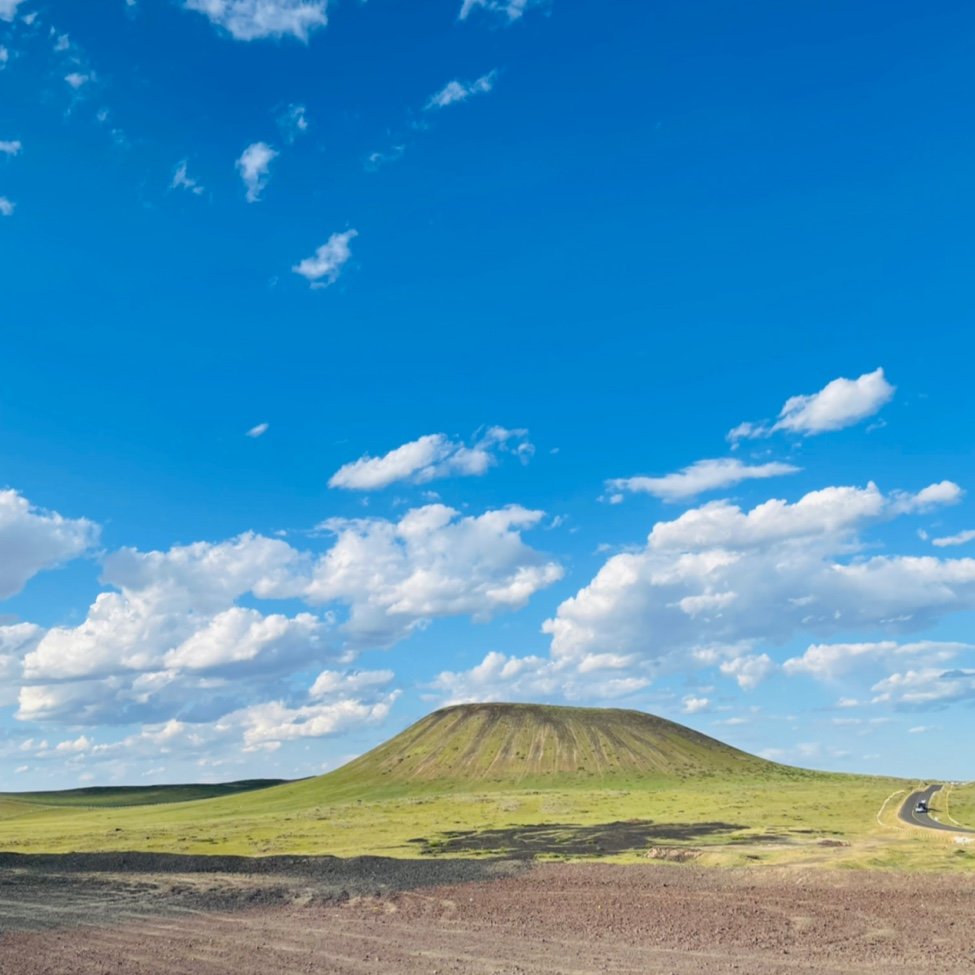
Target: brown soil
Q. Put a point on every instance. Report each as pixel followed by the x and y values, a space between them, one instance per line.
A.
pixel 193 916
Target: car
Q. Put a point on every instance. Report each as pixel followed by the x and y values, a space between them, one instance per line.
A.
pixel 921 807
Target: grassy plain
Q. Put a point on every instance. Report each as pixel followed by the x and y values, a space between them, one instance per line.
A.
pixel 522 782
pixel 810 819
pixel 958 803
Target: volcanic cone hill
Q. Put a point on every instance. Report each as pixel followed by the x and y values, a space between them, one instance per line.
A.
pixel 472 746
pixel 512 779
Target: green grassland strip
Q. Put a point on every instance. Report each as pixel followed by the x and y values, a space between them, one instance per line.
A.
pixel 14 809
pixel 784 820
pixel 524 780
pixel 957 803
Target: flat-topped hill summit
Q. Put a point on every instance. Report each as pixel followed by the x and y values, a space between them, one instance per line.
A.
pixel 518 743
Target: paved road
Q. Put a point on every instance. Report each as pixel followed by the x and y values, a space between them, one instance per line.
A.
pixel 908 815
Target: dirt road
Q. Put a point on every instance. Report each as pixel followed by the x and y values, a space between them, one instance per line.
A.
pixel 473 917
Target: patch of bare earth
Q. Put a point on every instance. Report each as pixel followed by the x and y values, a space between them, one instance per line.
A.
pixel 378 916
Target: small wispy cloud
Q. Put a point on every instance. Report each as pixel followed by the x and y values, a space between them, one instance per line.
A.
pixel 695 705
pixel 104 117
pixel 183 181
pixel 6 207
pixel 258 431
pixel 511 10
pixel 459 91
pixel 962 538
pixel 77 79
pixel 325 265
pixel 376 160
pixel 4 57
pixel 11 147
pixel 254 167
pixel 293 122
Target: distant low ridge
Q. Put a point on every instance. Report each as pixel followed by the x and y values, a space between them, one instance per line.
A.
pixel 114 796
pixel 511 743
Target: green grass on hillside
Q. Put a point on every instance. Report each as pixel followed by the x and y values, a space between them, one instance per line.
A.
pixel 524 780
pixel 532 745
pixel 115 796
pixel 810 820
pixel 296 818
pixel 960 804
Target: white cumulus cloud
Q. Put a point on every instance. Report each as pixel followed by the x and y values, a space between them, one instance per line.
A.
pixel 170 608
pixel 500 677
pixel 241 635
pixel 185 634
pixel 432 457
pixel 254 166
pixel 395 577
pixel 16 641
pixel 835 661
pixel 8 9
pixel 933 496
pixel 926 688
pixel 270 724
pixel 172 642
pixel 32 540
pixel 701 476
pixel 839 404
pixel 325 265
pixel 716 586
pixel 248 20
pixel 749 670
pixel 343 702
pixel 331 682
pixel 718 574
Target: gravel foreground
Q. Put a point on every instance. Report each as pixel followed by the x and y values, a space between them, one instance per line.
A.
pixel 148 915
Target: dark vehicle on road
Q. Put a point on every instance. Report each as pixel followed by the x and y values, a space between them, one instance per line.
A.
pixel 921 807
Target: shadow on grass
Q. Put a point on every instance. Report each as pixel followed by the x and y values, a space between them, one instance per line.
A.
pixel 603 839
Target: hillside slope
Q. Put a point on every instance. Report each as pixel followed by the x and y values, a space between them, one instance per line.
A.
pixel 519 744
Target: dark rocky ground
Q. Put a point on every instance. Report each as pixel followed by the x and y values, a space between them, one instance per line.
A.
pixel 148 915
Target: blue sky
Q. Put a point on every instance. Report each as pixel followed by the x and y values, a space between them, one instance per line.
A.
pixel 362 357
